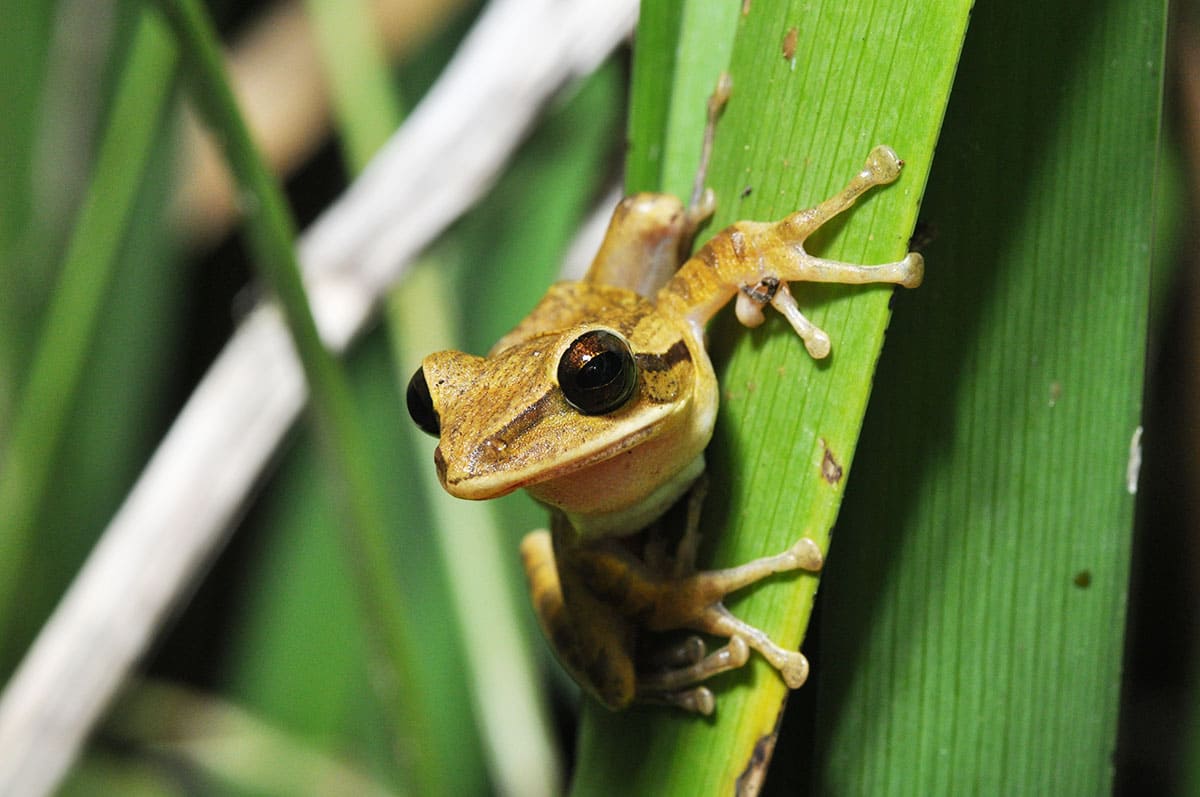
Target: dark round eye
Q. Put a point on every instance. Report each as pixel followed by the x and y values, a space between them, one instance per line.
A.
pixel 597 372
pixel 420 404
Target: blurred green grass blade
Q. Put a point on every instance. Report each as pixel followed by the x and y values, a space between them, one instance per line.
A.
pixel 299 630
pixel 366 101
pixel 653 70
pixel 794 132
pixel 26 40
pixel 974 636
pixel 339 425
pixel 682 46
pixel 120 407
pixel 24 44
pixel 512 718
pixel 368 109
pixel 135 120
pixel 295 632
pixel 213 746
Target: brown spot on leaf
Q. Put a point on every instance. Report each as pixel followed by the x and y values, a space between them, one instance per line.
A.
pixel 831 470
pixel 789 43
pixel 750 782
pixel 1083 579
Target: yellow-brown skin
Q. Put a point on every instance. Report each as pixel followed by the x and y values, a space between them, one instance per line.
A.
pixel 505 423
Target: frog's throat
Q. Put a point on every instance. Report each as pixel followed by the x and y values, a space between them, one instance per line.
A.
pixel 640 515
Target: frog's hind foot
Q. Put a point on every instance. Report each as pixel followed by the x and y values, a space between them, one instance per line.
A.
pixel 677 686
pixel 697 700
pixel 695 602
pixel 791 664
pixel 731 656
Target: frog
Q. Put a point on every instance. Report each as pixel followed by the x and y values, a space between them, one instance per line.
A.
pixel 600 404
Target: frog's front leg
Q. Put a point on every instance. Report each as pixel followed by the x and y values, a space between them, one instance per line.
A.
pixel 756 260
pixel 641 247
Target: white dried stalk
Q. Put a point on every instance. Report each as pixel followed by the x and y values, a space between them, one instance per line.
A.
pixel 177 515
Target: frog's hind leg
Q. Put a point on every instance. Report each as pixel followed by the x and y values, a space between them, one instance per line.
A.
pixel 729 656
pixel 678 685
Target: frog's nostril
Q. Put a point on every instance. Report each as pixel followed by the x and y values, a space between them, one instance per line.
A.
pixel 420 404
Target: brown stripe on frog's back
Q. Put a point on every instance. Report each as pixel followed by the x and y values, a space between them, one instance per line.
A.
pixel 668 359
pixel 664 376
pixel 634 320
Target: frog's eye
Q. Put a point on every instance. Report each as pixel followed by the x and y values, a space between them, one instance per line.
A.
pixel 420 404
pixel 597 372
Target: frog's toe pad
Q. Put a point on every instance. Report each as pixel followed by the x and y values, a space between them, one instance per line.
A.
pixel 698 700
pixel 807 555
pixel 794 669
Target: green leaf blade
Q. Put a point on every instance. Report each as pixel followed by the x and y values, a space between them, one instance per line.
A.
pixel 976 637
pixel 89 264
pixel 791 135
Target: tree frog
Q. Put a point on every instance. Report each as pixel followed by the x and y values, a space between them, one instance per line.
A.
pixel 600 404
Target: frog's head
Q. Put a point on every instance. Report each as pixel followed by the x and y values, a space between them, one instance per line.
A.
pixel 549 403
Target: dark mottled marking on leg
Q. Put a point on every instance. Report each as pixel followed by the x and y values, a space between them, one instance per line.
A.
pixel 763 291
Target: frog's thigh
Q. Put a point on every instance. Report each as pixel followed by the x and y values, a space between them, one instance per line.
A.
pixel 591 641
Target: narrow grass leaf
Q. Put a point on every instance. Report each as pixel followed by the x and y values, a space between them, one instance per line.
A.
pixel 339 425
pixel 815 86
pixel 366 100
pixel 136 118
pixel 973 638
